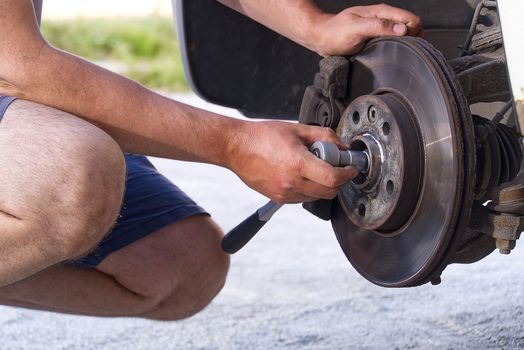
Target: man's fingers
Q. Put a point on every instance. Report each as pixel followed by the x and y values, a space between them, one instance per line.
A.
pixel 389 12
pixel 376 27
pixel 313 191
pixel 321 183
pixel 394 15
pixel 296 198
pixel 311 134
pixel 322 173
pixel 413 22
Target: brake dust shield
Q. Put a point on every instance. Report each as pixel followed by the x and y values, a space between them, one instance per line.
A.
pixel 398 223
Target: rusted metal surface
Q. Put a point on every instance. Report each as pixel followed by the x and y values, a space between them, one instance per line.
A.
pixel 502 219
pixel 477 248
pixel 483 77
pixel 386 127
pixel 498 225
pixel 487 41
pixel 483 11
pixel 321 104
pixel 511 194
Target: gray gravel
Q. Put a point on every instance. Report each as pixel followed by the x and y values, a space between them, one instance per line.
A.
pixel 292 288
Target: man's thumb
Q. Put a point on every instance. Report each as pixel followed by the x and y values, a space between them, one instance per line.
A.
pixel 400 29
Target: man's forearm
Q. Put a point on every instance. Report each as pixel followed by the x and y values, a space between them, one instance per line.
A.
pixel 140 120
pixel 270 157
pixel 344 33
pixel 294 19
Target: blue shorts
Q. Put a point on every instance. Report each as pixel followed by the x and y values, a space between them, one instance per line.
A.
pixel 150 202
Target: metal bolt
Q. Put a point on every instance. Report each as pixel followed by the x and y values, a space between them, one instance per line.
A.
pixel 512 194
pixel 372 114
pixel 504 246
pixel 331 154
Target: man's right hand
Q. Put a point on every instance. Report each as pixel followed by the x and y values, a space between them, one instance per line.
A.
pixel 273 158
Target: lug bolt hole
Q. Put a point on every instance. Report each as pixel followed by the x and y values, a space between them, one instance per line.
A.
pixel 386 128
pixel 362 210
pixel 372 114
pixel 356 117
pixel 390 187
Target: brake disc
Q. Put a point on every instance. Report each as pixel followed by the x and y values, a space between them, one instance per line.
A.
pixel 399 223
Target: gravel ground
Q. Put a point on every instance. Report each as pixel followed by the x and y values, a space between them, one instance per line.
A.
pixel 292 288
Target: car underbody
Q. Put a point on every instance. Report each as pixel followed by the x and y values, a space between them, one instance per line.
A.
pixel 437 117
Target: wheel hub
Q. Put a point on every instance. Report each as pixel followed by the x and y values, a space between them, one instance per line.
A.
pixel 383 125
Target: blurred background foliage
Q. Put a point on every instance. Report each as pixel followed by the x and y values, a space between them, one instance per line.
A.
pixel 144 49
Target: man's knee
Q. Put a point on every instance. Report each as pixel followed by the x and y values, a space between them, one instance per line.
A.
pixel 203 276
pixel 192 296
pixel 90 206
pixel 68 176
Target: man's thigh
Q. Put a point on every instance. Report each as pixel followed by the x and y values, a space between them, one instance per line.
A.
pixel 49 157
pixel 43 152
pixel 61 187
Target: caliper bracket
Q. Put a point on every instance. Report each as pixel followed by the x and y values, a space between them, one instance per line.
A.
pixel 322 106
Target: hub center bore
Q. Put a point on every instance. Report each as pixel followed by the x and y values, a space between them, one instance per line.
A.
pixel 368 143
pixel 383 125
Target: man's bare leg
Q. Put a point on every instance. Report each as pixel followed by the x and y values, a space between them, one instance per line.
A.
pixel 170 274
pixel 54 168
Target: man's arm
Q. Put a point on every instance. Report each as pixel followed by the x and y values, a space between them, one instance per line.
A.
pixel 325 33
pixel 270 157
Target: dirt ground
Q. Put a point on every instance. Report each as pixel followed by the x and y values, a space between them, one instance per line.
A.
pixel 292 288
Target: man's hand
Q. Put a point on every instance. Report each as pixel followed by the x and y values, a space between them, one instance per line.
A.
pixel 273 158
pixel 346 32
pixel 329 34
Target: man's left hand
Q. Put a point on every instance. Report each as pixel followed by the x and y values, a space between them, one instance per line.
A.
pixel 346 33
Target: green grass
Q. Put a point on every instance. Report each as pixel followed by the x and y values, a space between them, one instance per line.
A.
pixel 146 46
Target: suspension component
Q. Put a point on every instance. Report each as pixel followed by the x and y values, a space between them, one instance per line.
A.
pixel 499 156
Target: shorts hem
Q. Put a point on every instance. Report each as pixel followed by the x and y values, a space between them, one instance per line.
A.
pixel 5 101
pixel 95 257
